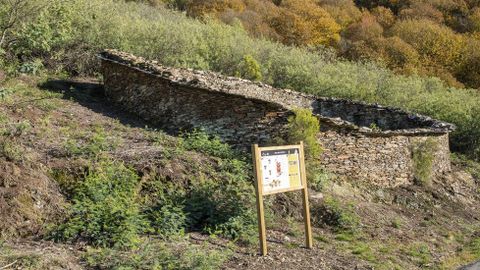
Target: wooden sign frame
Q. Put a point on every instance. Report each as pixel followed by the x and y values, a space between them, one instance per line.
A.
pixel 256 154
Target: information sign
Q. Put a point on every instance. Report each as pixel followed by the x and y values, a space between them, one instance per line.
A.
pixel 280 169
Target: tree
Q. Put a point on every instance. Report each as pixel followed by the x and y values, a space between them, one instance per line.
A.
pixel 400 55
pixel 422 11
pixel 469 70
pixel 395 53
pixel 384 16
pixel 367 28
pixel 255 18
pixel 302 22
pixel 12 12
pixel 394 5
pixel 343 11
pixel 215 7
pixel 474 20
pixel 436 44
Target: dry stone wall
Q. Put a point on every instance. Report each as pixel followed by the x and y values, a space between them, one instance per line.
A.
pixel 361 141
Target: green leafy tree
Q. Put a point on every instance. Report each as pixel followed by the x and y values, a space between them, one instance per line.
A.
pixel 12 14
pixel 50 30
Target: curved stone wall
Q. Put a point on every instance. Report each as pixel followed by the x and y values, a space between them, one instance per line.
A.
pixel 361 141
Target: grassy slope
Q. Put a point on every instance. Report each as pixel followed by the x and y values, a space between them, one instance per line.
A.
pixel 404 228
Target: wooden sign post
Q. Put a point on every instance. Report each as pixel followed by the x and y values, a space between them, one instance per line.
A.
pixel 280 169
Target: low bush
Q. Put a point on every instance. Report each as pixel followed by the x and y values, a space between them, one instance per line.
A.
pixel 223 208
pixel 104 211
pixel 317 175
pixel 11 150
pixel 211 145
pixel 304 126
pixel 249 69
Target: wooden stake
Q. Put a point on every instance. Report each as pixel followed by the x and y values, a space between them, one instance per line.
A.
pixel 262 235
pixel 306 207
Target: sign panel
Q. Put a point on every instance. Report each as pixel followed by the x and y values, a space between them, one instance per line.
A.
pixel 280 170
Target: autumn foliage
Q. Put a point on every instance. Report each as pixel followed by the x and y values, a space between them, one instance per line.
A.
pixel 424 37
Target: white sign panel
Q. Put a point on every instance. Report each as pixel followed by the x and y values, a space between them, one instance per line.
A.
pixel 280 169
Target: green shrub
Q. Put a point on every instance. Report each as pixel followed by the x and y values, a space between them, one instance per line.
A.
pixel 249 69
pixel 104 211
pixel 423 157
pixel 304 126
pixel 163 205
pixel 223 208
pixel 4 93
pixel 50 29
pixel 9 147
pixel 13 130
pixel 217 201
pixel 202 142
pixel 168 220
pixel 33 67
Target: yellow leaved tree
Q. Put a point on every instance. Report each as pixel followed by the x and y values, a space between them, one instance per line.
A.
pixel 213 7
pixel 303 22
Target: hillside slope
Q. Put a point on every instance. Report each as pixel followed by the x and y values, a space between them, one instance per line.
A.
pixel 64 37
pixel 56 134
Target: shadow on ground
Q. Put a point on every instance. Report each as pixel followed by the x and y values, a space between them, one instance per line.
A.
pixel 91 94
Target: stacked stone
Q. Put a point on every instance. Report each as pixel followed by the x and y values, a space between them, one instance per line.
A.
pixel 361 141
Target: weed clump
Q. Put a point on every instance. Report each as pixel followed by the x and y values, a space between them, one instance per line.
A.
pixel 156 255
pixel 420 253
pixel 332 213
pixel 92 145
